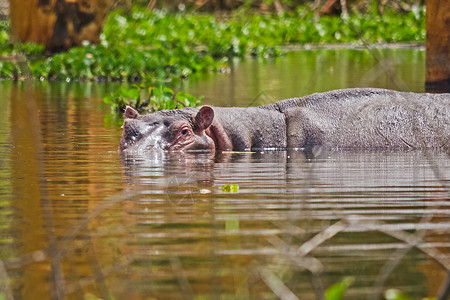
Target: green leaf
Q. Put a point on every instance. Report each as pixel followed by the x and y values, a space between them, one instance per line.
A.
pixel 132 93
pixel 337 290
pixel 230 188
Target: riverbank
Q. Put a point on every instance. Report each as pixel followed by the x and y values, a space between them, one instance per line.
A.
pixel 353 46
pixel 156 46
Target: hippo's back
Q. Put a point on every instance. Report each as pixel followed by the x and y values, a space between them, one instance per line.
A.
pixel 368 118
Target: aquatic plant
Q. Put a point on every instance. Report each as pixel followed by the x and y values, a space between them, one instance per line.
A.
pixel 337 290
pixel 150 99
pixel 148 45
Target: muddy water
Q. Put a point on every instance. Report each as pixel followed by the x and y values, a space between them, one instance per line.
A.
pixel 80 219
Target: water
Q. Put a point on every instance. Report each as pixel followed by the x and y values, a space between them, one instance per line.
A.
pixel 79 218
pixel 305 72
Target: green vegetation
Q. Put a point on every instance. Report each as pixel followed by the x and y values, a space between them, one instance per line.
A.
pixel 150 99
pixel 157 47
pixel 149 45
pixel 230 188
pixel 337 290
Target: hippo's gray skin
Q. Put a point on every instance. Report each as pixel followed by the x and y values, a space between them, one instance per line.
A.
pixel 362 118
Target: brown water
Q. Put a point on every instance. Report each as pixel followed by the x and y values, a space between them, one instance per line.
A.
pixel 78 218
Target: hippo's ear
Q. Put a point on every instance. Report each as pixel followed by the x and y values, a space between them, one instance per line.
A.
pixel 130 113
pixel 204 118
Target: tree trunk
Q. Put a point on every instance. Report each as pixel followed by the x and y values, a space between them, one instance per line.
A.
pixel 438 46
pixel 57 24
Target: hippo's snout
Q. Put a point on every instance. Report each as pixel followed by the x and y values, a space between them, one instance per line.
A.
pixel 141 135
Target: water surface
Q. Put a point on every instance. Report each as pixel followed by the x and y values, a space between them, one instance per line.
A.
pixel 80 218
pixel 305 72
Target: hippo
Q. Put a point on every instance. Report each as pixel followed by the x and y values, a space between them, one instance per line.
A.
pixel 358 118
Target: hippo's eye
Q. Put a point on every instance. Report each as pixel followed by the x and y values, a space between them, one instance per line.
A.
pixel 184 131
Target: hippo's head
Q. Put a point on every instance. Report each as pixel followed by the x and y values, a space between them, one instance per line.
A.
pixel 169 130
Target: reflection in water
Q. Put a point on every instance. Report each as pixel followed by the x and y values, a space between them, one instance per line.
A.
pixel 45 166
pixel 255 82
pixel 296 221
pixel 80 218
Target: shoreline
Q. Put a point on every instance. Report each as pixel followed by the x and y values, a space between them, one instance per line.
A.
pixel 353 46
